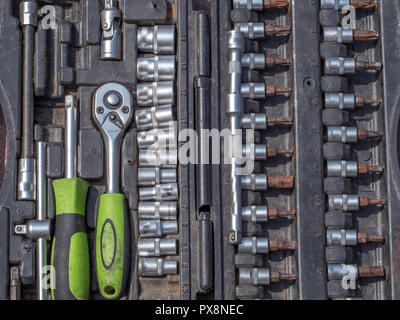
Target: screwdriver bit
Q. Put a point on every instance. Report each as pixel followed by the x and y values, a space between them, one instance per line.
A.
pixel 361 102
pixel 340 4
pixel 262 276
pixel 346 238
pixel 338 271
pixel 259 90
pixel 260 121
pixel 259 5
pixel 262 152
pixel 348 101
pixel 255 245
pixel 349 134
pixel 261 182
pixel 259 30
pixel 351 202
pixel 350 169
pixel 340 35
pixel 259 61
pixel 264 214
pixel 341 66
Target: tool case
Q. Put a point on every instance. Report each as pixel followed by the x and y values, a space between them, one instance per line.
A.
pixel 208 234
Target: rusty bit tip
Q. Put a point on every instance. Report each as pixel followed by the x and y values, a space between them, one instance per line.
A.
pixel 361 102
pixel 363 135
pixel 362 4
pixel 271 30
pixel 277 276
pixel 365 65
pixel 271 61
pixel 364 168
pixel 276 245
pixel 281 182
pixel 365 35
pixel 270 4
pixel 274 214
pixel 272 91
pixel 365 202
pixel 365 238
pixel 279 121
pixel 274 152
pixel 371 272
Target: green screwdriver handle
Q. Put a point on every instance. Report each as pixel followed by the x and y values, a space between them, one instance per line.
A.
pixel 112 245
pixel 70 252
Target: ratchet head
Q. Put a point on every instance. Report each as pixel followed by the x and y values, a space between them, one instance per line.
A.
pixel 113 110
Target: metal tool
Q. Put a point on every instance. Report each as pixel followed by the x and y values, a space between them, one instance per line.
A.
pixel 160 192
pixel 157 228
pixel 340 35
pixel 157 247
pixel 157 210
pixel 160 138
pixel 154 176
pixel 349 134
pixel 264 214
pixel 70 251
pixel 156 267
pixel 262 276
pixel 40 228
pixel 158 158
pixel 156 93
pixel 259 5
pixel 342 66
pixel 112 111
pixel 261 182
pixel 111 20
pixel 260 121
pixel 156 68
pixel 346 238
pixel 27 166
pixel 351 202
pixel 350 169
pixel 348 101
pixel 259 90
pixel 259 61
pixel 340 4
pixel 259 30
pixel 338 271
pixel 157 39
pixel 262 152
pixel 256 245
pixel 154 117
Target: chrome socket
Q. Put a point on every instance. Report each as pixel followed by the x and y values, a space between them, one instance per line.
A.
pixel 111 44
pixel 343 101
pixel 338 271
pixel 255 276
pixel 338 34
pixel 255 182
pixel 160 192
pixel 157 228
pixel 256 5
pixel 154 117
pixel 154 176
pixel 156 93
pixel 255 151
pixel 343 134
pixel 158 158
pixel 342 238
pixel 156 68
pixel 156 267
pixel 253 61
pixel 253 90
pixel 27 179
pixel 157 247
pixel 342 169
pixel 158 138
pixel 255 214
pixel 157 39
pixel 344 202
pixel 256 121
pixel 334 4
pixel 157 210
pixel 340 66
pixel 28 13
pixel 254 245
pixel 251 30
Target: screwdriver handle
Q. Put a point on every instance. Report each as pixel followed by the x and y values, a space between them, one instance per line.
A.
pixel 112 245
pixel 70 251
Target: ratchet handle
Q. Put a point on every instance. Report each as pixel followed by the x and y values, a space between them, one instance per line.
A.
pixel 112 245
pixel 70 251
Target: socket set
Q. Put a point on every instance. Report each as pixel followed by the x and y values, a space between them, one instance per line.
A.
pixel 199 150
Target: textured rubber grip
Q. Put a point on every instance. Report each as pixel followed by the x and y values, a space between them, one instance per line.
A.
pixel 70 252
pixel 112 245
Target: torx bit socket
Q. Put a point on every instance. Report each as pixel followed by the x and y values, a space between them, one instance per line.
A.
pixel 258 30
pixel 259 5
pixel 259 61
pixel 256 245
pixel 348 101
pixel 338 271
pixel 260 121
pixel 262 152
pixel 350 169
pixel 349 134
pixel 261 182
pixel 340 4
pixel 342 66
pixel 340 35
pixel 351 202
pixel 264 214
pixel 259 90
pixel 346 238
pixel 261 276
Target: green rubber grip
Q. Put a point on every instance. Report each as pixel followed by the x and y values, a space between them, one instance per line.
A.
pixel 70 251
pixel 112 245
